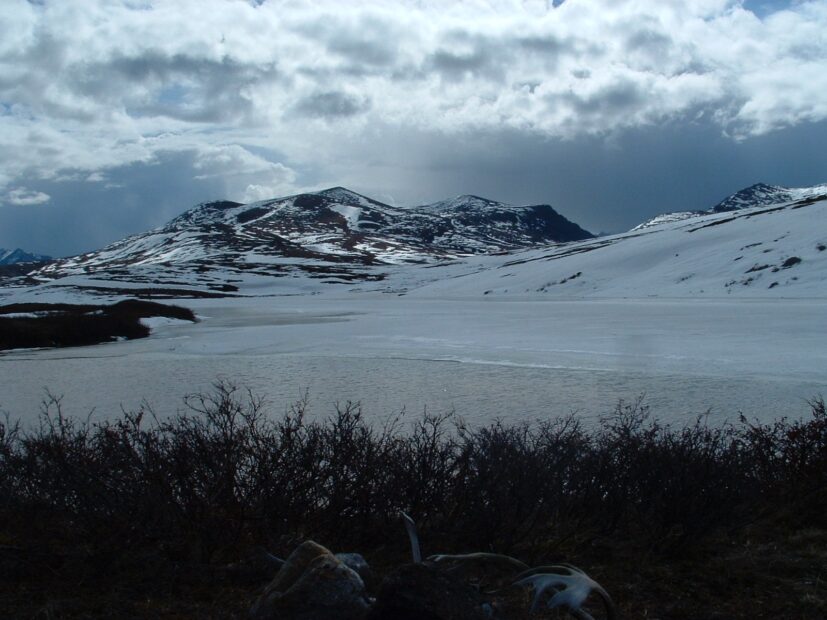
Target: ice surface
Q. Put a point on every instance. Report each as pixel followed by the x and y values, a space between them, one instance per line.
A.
pixel 487 358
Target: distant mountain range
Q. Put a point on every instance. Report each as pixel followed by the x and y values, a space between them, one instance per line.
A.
pixel 334 234
pixel 759 241
pixel 12 257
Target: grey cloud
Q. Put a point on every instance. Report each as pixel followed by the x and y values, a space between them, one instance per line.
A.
pixel 463 54
pixel 331 104
pixel 807 50
pixel 177 86
pixel 612 100
pixel 31 72
pixel 328 75
pixel 459 66
pixel 648 40
pixel 544 45
pixel 22 196
pixel 378 53
pixel 360 41
pixel 466 55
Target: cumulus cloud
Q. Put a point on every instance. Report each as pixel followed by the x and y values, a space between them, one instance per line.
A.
pixel 20 196
pixel 247 177
pixel 88 86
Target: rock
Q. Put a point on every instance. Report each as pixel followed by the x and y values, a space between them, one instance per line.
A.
pixel 295 564
pixel 358 563
pixel 329 589
pixel 313 584
pixel 420 592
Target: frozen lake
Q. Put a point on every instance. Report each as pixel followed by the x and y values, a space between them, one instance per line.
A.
pixel 485 359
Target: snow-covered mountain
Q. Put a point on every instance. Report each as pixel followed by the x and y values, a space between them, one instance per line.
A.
pixel 770 250
pixel 12 257
pixel 335 234
pixel 760 194
pixel 757 195
pixel 467 246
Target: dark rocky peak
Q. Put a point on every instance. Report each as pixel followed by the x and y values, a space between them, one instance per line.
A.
pixel 310 202
pixel 341 193
pixel 220 205
pixel 756 195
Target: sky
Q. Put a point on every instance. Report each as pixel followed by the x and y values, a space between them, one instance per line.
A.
pixel 115 116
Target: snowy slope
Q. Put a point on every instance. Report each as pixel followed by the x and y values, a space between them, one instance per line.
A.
pixel 767 251
pixel 762 194
pixel 757 195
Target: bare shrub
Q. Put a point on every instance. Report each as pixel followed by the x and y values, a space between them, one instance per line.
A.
pixel 208 485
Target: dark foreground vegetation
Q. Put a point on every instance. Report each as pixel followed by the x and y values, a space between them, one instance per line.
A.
pixel 144 516
pixel 31 325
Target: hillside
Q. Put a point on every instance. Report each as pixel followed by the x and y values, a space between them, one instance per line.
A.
pixel 775 250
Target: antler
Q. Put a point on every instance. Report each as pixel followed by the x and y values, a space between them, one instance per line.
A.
pixel 410 526
pixel 571 587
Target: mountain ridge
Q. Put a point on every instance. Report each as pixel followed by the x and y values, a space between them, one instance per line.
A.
pixel 756 195
pixel 334 234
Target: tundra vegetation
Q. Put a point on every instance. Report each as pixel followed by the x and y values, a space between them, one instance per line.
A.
pixel 30 325
pixel 151 515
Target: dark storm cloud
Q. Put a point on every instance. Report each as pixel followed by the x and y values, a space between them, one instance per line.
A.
pixel 605 187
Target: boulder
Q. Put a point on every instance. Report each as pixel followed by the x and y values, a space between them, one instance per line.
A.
pixel 313 584
pixel 358 563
